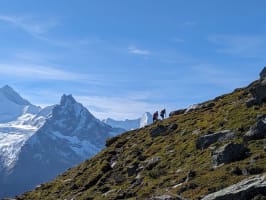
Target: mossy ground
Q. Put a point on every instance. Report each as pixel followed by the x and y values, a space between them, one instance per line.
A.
pixel 94 178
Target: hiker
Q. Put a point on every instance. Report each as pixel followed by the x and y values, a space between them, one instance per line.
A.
pixel 163 113
pixel 155 116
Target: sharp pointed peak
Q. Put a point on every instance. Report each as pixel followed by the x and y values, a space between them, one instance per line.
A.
pixel 67 99
pixel 12 95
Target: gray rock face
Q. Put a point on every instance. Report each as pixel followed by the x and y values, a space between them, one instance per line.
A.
pixel 177 112
pixel 229 153
pixel 132 170
pixel 259 92
pixel 263 73
pixel 258 131
pixel 244 190
pixel 158 131
pixel 206 140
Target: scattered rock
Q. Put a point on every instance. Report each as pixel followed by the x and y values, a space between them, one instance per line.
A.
pixel 172 127
pixel 244 190
pixel 106 167
pixel 110 141
pixel 208 105
pixel 118 178
pixel 190 175
pixel 258 131
pixel 136 182
pixel 177 112
pixel 196 132
pixel 246 171
pixel 152 162
pixel 251 102
pixel 254 170
pixel 206 140
pixel 159 131
pixel 106 194
pixel 132 170
pixel 229 153
pixel 190 186
pixel 121 143
pixel 259 197
pixel 236 171
pixel 263 73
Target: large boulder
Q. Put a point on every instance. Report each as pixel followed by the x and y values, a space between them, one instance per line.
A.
pixel 229 153
pixel 263 73
pixel 206 140
pixel 259 92
pixel 244 190
pixel 258 131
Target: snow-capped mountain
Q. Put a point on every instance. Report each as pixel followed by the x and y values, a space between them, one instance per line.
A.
pixel 37 144
pixel 13 105
pixel 128 124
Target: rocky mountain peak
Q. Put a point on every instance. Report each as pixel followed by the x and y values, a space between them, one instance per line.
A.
pixel 67 100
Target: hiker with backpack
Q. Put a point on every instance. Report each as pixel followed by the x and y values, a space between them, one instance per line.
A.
pixel 155 116
pixel 163 113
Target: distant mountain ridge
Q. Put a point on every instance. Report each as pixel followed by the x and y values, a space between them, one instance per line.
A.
pixel 132 124
pixel 49 140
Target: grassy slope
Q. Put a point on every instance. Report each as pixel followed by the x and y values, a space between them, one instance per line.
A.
pixel 178 153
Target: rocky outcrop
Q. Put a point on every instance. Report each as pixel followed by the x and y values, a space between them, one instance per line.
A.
pixel 206 140
pixel 244 190
pixel 259 92
pixel 177 112
pixel 263 73
pixel 229 153
pixel 158 131
pixel 258 131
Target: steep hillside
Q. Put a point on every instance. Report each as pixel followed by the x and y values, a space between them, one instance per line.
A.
pixel 191 154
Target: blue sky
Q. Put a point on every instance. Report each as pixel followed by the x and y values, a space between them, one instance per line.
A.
pixel 121 58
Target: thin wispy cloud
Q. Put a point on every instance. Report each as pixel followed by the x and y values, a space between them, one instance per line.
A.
pixel 240 45
pixel 123 107
pixel 29 25
pixel 138 51
pixel 39 72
